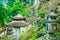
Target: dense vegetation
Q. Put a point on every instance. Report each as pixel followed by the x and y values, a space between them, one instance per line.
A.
pixel 28 10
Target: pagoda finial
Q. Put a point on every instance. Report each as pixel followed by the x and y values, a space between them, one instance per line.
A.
pixel 18 17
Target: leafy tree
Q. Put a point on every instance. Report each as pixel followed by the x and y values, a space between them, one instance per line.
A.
pixel 19 8
pixel 10 2
pixel 6 12
pixel 2 14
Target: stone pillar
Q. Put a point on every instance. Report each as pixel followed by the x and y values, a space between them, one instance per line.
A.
pixel 17 33
pixel 36 5
pixel 49 26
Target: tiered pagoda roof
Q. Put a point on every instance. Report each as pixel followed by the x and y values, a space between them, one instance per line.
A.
pixel 18 21
pixel 18 17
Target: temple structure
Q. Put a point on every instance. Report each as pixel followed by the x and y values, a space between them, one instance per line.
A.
pixel 19 22
pixel 14 26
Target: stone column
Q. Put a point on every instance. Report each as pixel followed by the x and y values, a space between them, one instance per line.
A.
pixel 36 5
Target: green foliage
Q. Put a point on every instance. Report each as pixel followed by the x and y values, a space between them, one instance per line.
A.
pixel 59 17
pixel 7 38
pixel 41 11
pixel 42 15
pixel 58 10
pixel 33 38
pixel 57 34
pixel 6 12
pixel 2 14
pixel 19 8
pixel 10 3
pixel 30 34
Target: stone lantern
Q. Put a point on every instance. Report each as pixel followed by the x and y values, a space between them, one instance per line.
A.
pixel 52 22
